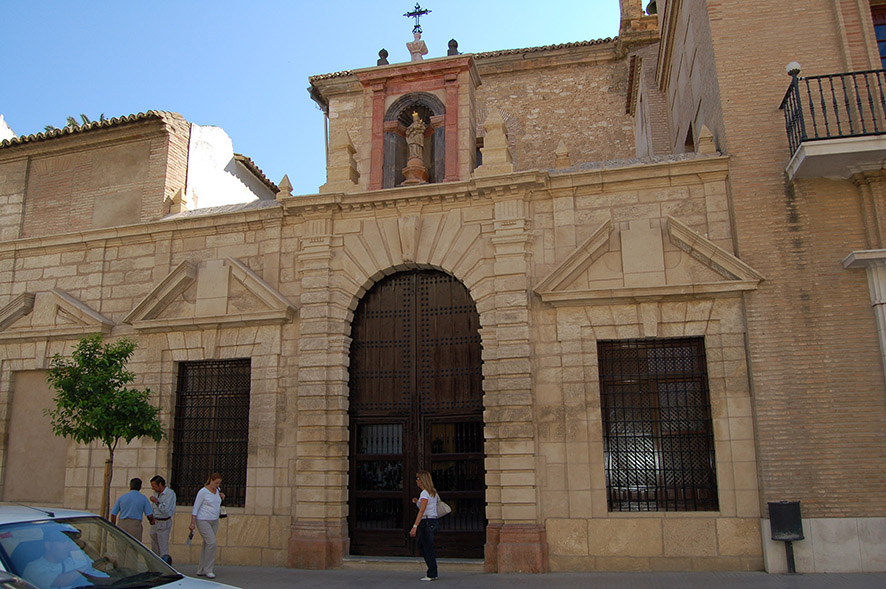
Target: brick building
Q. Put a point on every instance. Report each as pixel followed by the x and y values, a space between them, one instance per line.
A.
pixel 601 289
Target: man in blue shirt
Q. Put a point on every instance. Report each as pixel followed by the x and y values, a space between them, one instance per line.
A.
pixel 130 507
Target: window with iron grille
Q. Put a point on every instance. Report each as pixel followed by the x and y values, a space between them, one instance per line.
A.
pixel 657 428
pixel 211 431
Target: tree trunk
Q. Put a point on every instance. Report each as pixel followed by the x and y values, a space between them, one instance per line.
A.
pixel 106 486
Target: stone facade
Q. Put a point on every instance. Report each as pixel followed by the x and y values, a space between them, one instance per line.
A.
pixel 563 237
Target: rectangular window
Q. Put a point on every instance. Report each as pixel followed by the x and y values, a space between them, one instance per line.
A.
pixel 658 434
pixel 211 431
pixel 878 13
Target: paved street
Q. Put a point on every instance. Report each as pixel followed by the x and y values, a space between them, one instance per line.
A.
pixel 249 577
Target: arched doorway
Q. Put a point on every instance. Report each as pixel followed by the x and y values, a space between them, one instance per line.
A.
pixel 416 403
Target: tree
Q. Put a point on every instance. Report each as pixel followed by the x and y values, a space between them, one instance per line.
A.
pixel 95 403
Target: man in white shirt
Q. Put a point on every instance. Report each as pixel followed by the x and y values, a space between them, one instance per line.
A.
pixel 163 501
pixel 63 565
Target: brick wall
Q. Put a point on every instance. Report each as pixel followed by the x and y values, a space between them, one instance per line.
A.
pixel 576 96
pixel 105 177
pixel 814 354
pixel 651 116
pixel 687 77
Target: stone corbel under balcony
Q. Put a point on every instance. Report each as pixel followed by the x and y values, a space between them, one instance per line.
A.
pixel 838 158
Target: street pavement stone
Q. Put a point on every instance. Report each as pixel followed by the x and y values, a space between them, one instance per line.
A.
pixel 251 577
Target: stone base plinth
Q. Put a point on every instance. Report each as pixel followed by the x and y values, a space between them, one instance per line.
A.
pixel 317 546
pixel 516 548
pixel 415 172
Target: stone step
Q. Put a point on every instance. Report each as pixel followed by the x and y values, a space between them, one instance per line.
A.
pixel 406 563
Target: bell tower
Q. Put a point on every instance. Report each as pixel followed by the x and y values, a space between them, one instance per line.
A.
pixel 440 92
pixel 400 124
pixel 638 27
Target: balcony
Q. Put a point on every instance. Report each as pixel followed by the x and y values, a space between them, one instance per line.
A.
pixel 836 124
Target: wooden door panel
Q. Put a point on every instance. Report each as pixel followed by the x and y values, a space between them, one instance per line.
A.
pixel 416 368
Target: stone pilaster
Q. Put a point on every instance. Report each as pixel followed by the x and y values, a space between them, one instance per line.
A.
pixel 515 540
pixel 319 534
pixel 874 262
pixel 341 170
pixel 872 199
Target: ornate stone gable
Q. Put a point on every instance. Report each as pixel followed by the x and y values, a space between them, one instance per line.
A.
pixel 633 262
pixel 52 313
pixel 210 294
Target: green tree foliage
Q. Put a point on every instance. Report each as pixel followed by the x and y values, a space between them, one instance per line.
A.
pixel 94 402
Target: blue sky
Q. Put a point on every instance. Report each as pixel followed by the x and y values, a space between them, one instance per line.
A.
pixel 244 66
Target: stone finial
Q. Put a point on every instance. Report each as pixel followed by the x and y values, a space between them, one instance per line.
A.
pixel 341 171
pixel 417 48
pixel 561 157
pixel 177 203
pixel 453 47
pixel 382 57
pixel 631 9
pixel 496 153
pixel 705 144
pixel 285 187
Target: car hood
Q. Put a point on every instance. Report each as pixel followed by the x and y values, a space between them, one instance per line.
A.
pixel 189 582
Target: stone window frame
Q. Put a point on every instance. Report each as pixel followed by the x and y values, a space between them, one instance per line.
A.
pixel 182 476
pixel 720 320
pixel 671 369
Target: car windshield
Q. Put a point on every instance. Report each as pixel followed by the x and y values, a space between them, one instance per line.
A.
pixel 80 552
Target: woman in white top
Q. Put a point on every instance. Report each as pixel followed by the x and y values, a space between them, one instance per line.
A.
pixel 426 524
pixel 207 507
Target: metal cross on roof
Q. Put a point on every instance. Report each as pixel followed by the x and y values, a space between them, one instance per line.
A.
pixel 417 13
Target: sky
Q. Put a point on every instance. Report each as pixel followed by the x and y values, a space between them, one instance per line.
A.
pixel 244 66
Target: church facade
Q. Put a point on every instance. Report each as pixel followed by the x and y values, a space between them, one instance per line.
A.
pixel 597 289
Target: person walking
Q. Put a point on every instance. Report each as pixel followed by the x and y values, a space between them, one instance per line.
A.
pixel 163 501
pixel 207 508
pixel 426 525
pixel 130 507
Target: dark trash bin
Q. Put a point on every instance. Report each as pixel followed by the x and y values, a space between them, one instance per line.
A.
pixel 785 521
pixel 786 525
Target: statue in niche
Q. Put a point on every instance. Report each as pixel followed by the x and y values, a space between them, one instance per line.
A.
pixel 415 137
pixel 415 171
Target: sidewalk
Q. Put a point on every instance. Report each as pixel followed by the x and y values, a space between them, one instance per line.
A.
pixel 250 577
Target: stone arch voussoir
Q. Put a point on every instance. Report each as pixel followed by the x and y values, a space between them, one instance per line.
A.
pixel 440 242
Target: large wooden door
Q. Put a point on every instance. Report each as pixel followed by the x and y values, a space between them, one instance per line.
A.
pixel 416 403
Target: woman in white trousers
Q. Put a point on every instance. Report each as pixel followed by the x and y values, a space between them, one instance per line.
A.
pixel 204 517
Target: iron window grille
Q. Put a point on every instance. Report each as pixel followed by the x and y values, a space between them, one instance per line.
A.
pixel 658 433
pixel 211 431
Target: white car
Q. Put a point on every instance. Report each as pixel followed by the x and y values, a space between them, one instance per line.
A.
pixel 62 549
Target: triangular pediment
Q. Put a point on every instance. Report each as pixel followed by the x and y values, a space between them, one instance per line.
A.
pixel 648 259
pixel 212 293
pixel 53 313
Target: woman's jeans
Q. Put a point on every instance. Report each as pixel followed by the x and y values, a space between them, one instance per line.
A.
pixel 426 531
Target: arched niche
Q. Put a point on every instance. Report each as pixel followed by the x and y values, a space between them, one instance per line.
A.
pixel 397 118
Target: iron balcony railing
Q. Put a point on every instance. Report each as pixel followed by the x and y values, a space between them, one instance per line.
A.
pixel 851 104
